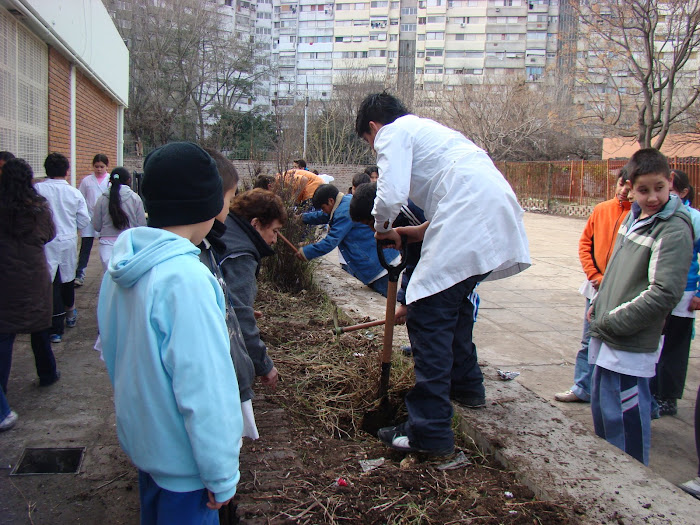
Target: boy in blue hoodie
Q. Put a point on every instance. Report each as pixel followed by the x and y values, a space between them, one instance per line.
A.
pixel 162 320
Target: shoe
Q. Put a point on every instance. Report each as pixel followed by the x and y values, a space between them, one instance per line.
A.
pixel 469 401
pixel 79 281
pixel 568 397
pixel 397 439
pixel 692 487
pixel 50 382
pixel 9 421
pixel 406 350
pixel 55 338
pixel 668 407
pixel 655 412
pixel 71 320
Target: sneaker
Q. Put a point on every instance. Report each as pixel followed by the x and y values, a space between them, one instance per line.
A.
pixel 9 421
pixel 397 439
pixel 55 338
pixel 668 407
pixel 568 397
pixel 406 350
pixel 72 319
pixel 79 281
pixel 692 487
pixel 469 401
pixel 50 382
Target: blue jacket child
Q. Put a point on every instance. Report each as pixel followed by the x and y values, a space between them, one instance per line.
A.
pixel 354 240
pixel 162 322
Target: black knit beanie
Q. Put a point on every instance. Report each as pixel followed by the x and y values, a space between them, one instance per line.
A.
pixel 181 185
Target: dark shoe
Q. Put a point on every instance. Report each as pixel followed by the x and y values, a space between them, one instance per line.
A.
pixel 55 338
pixel 469 401
pixel 51 381
pixel 396 438
pixel 406 350
pixel 668 407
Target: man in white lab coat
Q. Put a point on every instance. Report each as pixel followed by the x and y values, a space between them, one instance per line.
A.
pixel 70 213
pixel 474 232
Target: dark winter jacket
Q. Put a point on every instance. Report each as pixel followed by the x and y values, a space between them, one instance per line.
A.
pixel 644 279
pixel 245 372
pixel 25 283
pixel 239 261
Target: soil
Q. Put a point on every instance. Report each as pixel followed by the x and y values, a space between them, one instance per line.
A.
pixel 305 468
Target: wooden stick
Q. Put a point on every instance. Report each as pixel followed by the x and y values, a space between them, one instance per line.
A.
pixel 288 242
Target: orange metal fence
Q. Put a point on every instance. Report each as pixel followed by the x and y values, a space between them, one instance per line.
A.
pixel 577 182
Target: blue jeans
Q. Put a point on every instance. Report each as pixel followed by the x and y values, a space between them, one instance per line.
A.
pixel 84 255
pixel 44 359
pixel 621 408
pixel 445 362
pixel 380 285
pixel 4 405
pixel 582 370
pixel 164 507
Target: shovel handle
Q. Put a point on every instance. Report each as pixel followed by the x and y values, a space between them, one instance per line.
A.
pixel 287 242
pixel 393 271
pixel 390 318
pixel 343 329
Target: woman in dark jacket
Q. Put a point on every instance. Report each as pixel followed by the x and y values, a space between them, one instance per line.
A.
pixel 26 224
pixel 251 228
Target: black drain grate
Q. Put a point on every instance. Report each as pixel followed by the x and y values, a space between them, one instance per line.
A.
pixel 49 461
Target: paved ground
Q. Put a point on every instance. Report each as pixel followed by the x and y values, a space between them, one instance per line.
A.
pixel 531 323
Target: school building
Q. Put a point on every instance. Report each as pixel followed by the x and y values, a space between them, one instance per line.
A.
pixel 64 83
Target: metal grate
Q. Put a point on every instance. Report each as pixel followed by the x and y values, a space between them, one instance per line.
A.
pixel 49 461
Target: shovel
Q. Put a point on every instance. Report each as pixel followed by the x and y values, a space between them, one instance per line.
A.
pixel 383 415
pixel 288 242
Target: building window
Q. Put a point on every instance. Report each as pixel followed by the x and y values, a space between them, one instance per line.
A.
pixel 408 27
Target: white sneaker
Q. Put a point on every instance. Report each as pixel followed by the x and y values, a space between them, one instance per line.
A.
pixel 692 487
pixel 9 421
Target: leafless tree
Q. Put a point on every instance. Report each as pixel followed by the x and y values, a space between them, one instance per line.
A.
pixel 633 60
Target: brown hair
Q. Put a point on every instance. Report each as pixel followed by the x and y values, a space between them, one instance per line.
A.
pixel 259 204
pixel 226 169
pixel 647 161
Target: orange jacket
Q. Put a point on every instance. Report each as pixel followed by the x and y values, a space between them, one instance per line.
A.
pixel 304 181
pixel 598 238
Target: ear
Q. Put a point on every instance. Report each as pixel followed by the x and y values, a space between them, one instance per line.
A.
pixel 374 126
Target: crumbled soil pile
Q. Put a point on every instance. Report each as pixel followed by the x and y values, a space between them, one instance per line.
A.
pixel 306 467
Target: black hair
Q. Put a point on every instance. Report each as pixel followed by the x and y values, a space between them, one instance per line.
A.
pixel 647 161
pixel 691 194
pixel 227 171
pixel 100 157
pixel 378 107
pixel 680 181
pixel 6 155
pixel 322 194
pixel 362 202
pixel 56 165
pixel 17 194
pixel 360 178
pixel 622 174
pixel 119 217
pixel 371 169
pixel 301 163
pixel 264 182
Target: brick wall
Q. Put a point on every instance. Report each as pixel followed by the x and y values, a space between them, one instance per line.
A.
pixel 96 117
pixel 59 103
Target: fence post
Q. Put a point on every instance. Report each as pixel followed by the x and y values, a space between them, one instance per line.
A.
pixel 550 176
pixel 571 181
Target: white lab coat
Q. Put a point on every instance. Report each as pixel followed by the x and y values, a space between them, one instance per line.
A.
pixel 476 223
pixel 69 214
pixel 91 189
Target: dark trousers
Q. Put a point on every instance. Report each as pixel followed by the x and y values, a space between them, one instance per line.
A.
pixel 84 255
pixel 673 363
pixel 63 297
pixel 43 357
pixel 164 507
pixel 445 361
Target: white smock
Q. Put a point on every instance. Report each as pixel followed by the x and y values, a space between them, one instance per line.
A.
pixel 476 224
pixel 91 189
pixel 70 213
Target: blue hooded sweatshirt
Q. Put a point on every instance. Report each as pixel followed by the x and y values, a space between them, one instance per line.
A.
pixel 162 320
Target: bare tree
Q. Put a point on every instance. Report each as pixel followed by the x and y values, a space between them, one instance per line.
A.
pixel 633 64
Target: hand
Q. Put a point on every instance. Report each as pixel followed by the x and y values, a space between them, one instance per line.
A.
pixel 694 304
pixel 270 379
pixel 213 504
pixel 392 237
pixel 257 314
pixel 595 283
pixel 589 314
pixel 300 255
pixel 400 314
